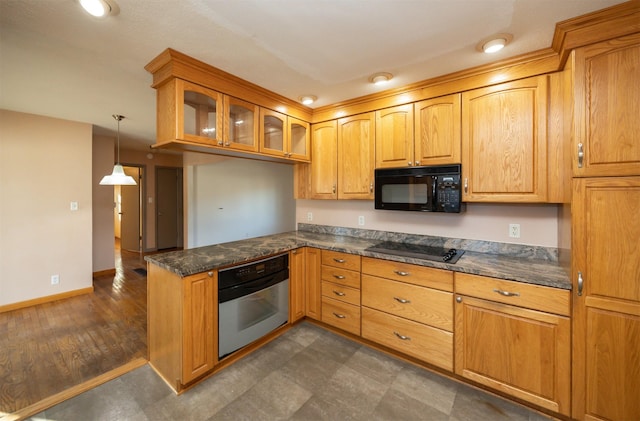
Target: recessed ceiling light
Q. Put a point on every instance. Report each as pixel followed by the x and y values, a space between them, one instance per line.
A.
pixel 100 8
pixel 308 99
pixel 494 43
pixel 380 78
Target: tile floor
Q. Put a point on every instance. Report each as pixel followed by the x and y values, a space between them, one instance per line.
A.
pixel 306 374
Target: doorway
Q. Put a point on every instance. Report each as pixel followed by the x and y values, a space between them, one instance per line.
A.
pixel 128 219
pixel 169 214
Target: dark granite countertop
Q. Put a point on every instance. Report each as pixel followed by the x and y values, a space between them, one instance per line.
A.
pixel 509 265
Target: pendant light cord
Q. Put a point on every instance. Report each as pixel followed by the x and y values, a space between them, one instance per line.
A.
pixel 118 117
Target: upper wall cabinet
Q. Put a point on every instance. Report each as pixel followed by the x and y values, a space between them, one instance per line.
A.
pixel 284 136
pixel 192 113
pixel 437 131
pixel 356 136
pixel 504 142
pixel 394 137
pixel 607 108
pixel 323 172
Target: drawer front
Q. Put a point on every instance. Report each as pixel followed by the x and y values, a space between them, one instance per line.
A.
pixel 341 315
pixel 341 276
pixel 341 293
pixel 536 297
pixel 341 260
pixel 425 343
pixel 425 305
pixel 405 272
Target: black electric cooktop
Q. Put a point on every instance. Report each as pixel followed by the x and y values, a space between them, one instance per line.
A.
pixel 418 251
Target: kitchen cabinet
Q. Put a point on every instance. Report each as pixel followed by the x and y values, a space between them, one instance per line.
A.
pixel 313 294
pixel 607 106
pixel 356 139
pixel 192 113
pixel 403 309
pixel 504 142
pixel 297 278
pixel 182 325
pixel 340 290
pixel 394 137
pixel 606 296
pixel 437 131
pixel 324 160
pixel 515 338
pixel 284 136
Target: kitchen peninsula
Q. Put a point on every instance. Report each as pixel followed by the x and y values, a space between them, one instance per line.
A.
pixel 429 316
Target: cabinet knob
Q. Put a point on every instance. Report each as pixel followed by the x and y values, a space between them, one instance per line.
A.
pixel 466 184
pixel 227 144
pixel 458 299
pixel 219 142
pixel 409 163
pixel 334 189
pixel 371 188
pixel 210 274
pixel 417 163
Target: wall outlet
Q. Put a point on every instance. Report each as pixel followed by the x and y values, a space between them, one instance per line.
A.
pixel 55 279
pixel 514 230
pixel 309 216
pixel 361 220
pixel 73 206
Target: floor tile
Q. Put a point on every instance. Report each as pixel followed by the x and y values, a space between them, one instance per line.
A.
pixel 426 387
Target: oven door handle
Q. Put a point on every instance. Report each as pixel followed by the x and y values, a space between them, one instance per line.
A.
pixel 248 288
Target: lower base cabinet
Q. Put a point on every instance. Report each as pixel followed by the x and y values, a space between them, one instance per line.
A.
pixel 519 351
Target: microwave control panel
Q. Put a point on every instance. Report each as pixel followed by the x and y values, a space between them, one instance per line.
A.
pixel 448 193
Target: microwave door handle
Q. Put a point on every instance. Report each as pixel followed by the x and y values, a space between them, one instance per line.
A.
pixel 434 193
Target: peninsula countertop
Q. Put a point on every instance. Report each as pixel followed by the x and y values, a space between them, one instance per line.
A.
pixel 530 270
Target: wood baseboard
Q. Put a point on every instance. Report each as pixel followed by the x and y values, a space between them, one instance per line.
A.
pixel 107 272
pixel 47 299
pixel 44 404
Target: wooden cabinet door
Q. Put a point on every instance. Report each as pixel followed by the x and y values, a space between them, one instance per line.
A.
pixel 606 317
pixel 241 126
pixel 394 137
pixel 200 324
pixel 297 269
pixel 273 133
pixel 356 136
pixel 437 131
pixel 299 146
pixel 324 160
pixel 607 106
pixel 521 352
pixel 504 146
pixel 313 290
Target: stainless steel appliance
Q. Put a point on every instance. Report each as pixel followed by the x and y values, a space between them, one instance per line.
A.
pixel 428 189
pixel 253 300
pixel 419 251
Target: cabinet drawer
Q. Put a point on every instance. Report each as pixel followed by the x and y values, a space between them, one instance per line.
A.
pixel 420 304
pixel 341 276
pixel 405 272
pixel 341 315
pixel 341 260
pixel 536 297
pixel 426 343
pixel 341 293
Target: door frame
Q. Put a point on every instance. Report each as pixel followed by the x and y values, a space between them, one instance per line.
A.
pixel 143 205
pixel 179 203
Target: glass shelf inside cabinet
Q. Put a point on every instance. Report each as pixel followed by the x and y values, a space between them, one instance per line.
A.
pixel 200 115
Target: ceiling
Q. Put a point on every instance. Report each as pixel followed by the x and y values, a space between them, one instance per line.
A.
pixel 58 61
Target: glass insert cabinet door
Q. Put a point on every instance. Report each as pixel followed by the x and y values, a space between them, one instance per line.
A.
pixel 299 139
pixel 242 124
pixel 273 137
pixel 201 114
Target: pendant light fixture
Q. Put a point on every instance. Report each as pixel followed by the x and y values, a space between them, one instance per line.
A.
pixel 118 177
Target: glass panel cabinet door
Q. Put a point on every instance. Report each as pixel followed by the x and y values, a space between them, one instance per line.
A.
pixel 201 114
pixel 299 139
pixel 272 133
pixel 241 130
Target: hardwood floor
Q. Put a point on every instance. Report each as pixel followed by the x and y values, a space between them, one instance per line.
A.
pixel 48 348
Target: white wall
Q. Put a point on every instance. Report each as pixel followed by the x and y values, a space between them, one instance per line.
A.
pixel 45 164
pixel 103 227
pixel 489 222
pixel 231 199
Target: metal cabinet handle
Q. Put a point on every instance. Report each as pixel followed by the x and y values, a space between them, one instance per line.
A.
pixel 227 144
pixel 334 189
pixel 458 299
pixel 409 163
pixel 371 188
pixel 338 293
pixel 417 163
pixel 338 260
pixel 401 273
pixel 220 143
pixel 580 284
pixel 580 155
pixel 466 184
pixel 338 276
pixel 404 338
pixel 507 293
pixel 339 316
pixel 210 274
pixel 401 300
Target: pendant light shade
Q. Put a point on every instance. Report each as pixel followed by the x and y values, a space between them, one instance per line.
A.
pixel 118 177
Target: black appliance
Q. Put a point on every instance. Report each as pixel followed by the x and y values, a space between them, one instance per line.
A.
pixel 434 188
pixel 419 251
pixel 253 300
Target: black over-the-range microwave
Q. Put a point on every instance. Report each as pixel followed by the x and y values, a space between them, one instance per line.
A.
pixel 433 188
